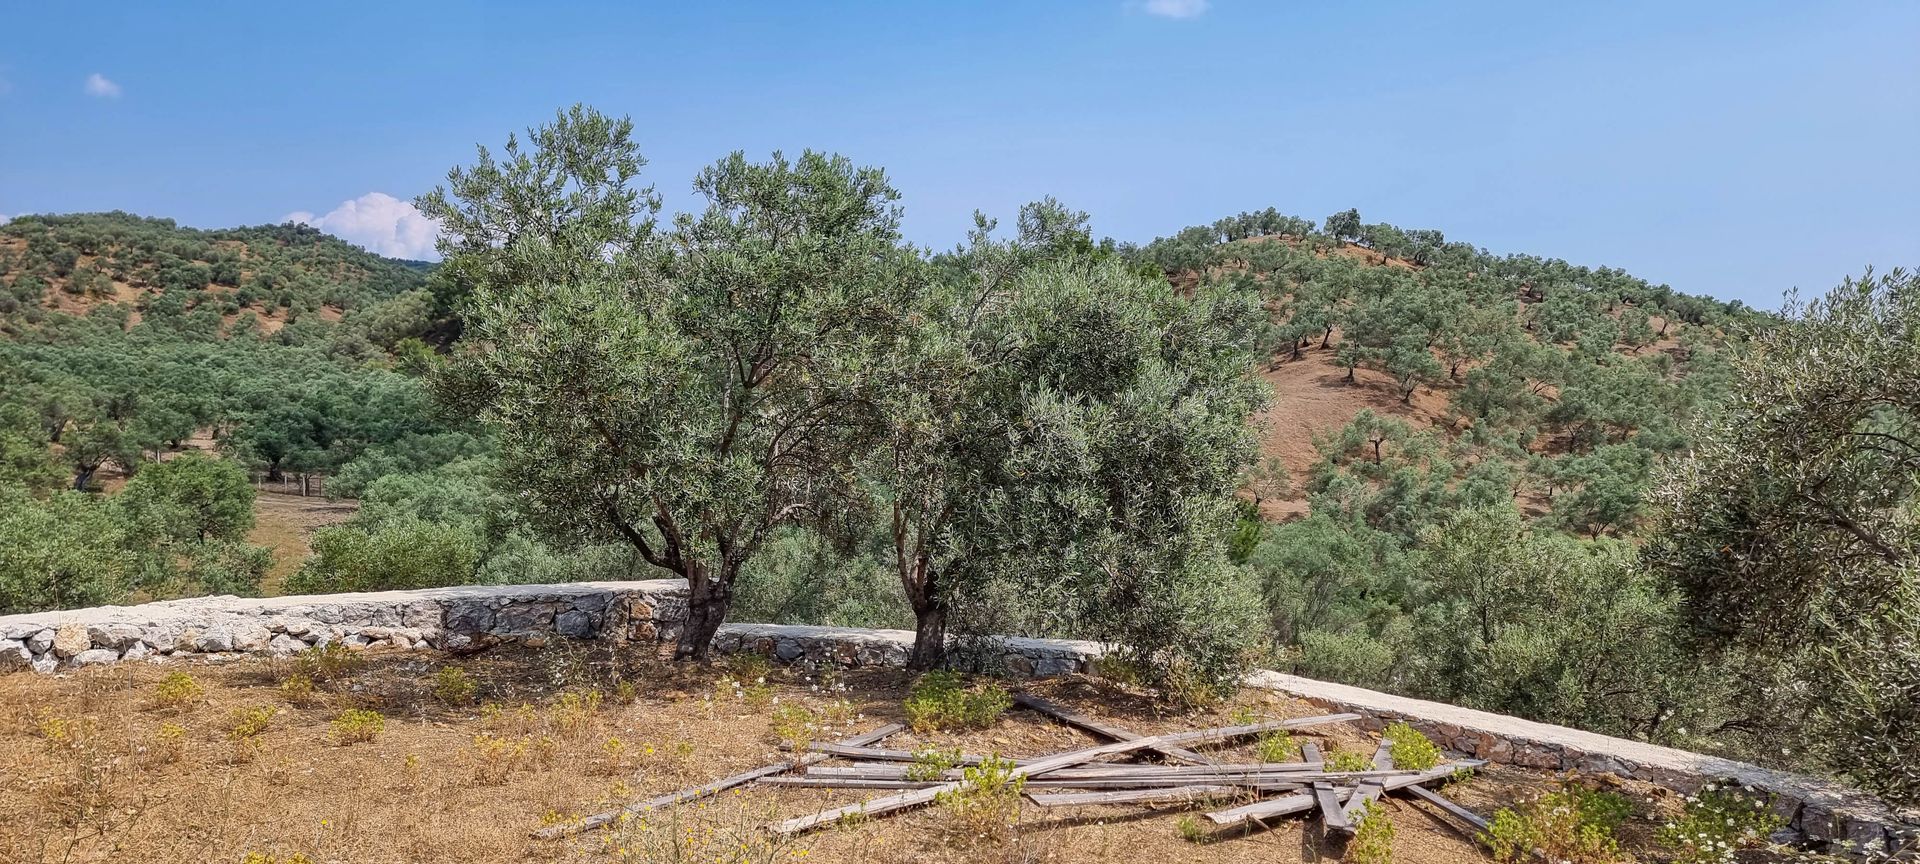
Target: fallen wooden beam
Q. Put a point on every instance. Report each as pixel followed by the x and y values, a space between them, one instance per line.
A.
pixel 1458 812
pixel 1369 792
pixel 1282 806
pixel 1309 752
pixel 1064 760
pixel 1105 730
pixel 1332 815
pixel 1103 770
pixel 1136 796
pixel 697 792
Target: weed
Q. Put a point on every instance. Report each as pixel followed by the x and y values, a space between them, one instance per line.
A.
pixel 297 689
pixel 411 767
pixel 327 664
pixel 1276 746
pixel 1346 760
pixel 1718 820
pixel 943 700
pixel 1412 751
pixel 625 692
pixel 747 667
pixel 613 757
pixel 986 806
pixel 270 858
pixel 932 763
pixel 1372 841
pixel 684 835
pixel 795 726
pixel 574 711
pixel 1190 829
pixel 1243 716
pixel 358 726
pixel 495 759
pixel 169 743
pixel 248 723
pixel 1572 825
pixel 177 690
pixel 452 686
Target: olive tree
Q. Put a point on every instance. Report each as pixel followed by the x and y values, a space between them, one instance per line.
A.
pixel 687 391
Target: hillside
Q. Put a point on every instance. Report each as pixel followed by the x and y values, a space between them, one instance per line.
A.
pixel 138 267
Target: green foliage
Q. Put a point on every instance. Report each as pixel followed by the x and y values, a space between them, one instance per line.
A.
pixel 986 806
pixel 698 364
pixel 1571 824
pixel 357 726
pixel 931 764
pixel 63 552
pixel 944 700
pixel 407 554
pixel 1412 751
pixel 177 690
pixel 1276 746
pixel 1346 760
pixel 453 686
pixel 1717 821
pixel 1372 841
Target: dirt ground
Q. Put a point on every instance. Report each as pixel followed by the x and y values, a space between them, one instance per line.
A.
pixel 285 524
pixel 95 767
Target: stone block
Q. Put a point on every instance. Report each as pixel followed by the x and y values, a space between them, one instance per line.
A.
pixel 574 624
pixel 14 656
pixel 70 640
pixel 95 657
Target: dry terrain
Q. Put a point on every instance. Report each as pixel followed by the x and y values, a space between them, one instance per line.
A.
pixel 100 765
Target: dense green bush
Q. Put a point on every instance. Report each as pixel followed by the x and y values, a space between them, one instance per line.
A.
pixel 401 554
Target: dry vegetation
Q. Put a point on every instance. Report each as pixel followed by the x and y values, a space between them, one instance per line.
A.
pixel 403 757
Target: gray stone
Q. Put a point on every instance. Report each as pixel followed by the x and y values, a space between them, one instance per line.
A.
pixel 251 637
pixel 69 640
pixel 213 640
pixel 116 635
pixel 787 650
pixel 14 656
pixel 40 642
pixel 95 657
pixel 46 663
pixel 355 640
pixel 470 618
pixel 137 651
pixel 574 624
pixel 283 644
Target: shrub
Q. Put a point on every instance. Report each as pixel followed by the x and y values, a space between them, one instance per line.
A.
pixel 1190 829
pixel 358 726
pixel 1573 825
pixel 943 700
pixel 327 663
pixel 1347 760
pixel 170 743
pixel 574 711
pixel 407 553
pixel 248 723
pixel 986 806
pixel 1412 751
pixel 1372 837
pixel 495 759
pixel 932 763
pixel 1716 822
pixel 453 686
pixel 176 690
pixel 1276 746
pixel 795 726
pixel 297 689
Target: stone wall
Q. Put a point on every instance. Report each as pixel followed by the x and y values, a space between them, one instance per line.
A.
pixel 1819 813
pixel 650 613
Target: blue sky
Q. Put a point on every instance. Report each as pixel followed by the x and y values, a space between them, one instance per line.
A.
pixel 1731 148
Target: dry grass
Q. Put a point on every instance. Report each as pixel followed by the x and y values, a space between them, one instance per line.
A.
pixel 92 768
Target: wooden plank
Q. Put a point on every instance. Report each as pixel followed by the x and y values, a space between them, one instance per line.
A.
pixel 1280 806
pixel 1136 796
pixel 1285 769
pixel 1459 812
pixel 1064 760
pixel 1383 757
pixel 1332 815
pixel 697 792
pixel 846 783
pixel 883 755
pixel 1105 730
pixel 1363 795
pixel 1310 752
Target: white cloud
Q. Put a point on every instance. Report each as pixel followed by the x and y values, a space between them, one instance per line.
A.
pixel 102 86
pixel 380 222
pixel 1175 8
pixel 4 218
